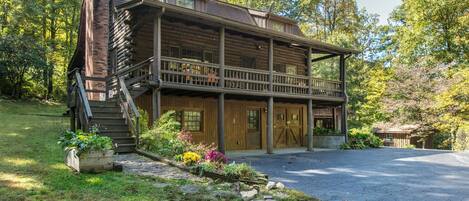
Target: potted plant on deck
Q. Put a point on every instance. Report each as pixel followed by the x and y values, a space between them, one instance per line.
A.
pixel 87 152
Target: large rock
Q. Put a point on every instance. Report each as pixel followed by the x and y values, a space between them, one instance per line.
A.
pixel 249 195
pixel 279 185
pixel 270 185
pixel 190 189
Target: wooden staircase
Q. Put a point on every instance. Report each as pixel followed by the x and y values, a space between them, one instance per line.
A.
pixel 108 117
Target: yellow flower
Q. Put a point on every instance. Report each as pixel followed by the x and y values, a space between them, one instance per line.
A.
pixel 189 158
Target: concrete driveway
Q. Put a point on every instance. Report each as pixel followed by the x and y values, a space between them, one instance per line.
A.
pixel 379 174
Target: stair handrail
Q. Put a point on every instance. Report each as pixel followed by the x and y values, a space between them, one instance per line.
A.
pixel 133 108
pixel 83 99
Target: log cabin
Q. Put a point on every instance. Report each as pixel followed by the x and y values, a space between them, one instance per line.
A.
pixel 237 77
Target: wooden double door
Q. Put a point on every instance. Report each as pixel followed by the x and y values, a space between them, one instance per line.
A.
pixel 288 126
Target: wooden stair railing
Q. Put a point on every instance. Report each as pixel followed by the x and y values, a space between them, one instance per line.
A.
pixel 129 108
pixel 82 105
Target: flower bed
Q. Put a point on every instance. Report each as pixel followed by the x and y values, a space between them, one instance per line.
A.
pixel 87 152
pixel 166 142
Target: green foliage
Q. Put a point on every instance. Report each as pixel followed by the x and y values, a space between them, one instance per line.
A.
pixel 84 142
pixel 242 171
pixel 21 64
pixel 362 139
pixel 50 25
pixel 325 131
pixel 162 138
pixel 409 146
pixel 143 120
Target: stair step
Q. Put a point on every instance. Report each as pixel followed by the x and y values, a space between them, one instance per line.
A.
pixel 115 133
pixel 107 127
pixel 107 114
pixel 123 140
pixel 108 120
pixel 103 103
pixel 125 148
pixel 116 109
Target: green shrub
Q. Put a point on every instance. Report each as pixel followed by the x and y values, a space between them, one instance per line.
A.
pixel 320 131
pixel 162 138
pixel 362 139
pixel 409 146
pixel 242 171
pixel 85 142
pixel 143 121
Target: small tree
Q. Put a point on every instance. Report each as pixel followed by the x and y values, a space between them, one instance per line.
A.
pixel 21 58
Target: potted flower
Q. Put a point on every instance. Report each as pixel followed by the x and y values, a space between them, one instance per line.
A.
pixel 87 152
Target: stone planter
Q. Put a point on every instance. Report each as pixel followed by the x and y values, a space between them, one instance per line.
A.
pixel 93 161
pixel 330 142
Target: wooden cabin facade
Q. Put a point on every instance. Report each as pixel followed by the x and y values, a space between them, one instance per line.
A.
pixel 237 77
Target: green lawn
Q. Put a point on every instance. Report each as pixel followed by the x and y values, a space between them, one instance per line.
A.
pixel 32 168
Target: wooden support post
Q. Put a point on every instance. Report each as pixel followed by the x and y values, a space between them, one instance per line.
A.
pixel 310 103
pixel 270 125
pixel 270 103
pixel 334 120
pixel 72 119
pixel 271 65
pixel 221 97
pixel 343 121
pixel 310 125
pixel 156 67
pixel 222 57
pixel 221 123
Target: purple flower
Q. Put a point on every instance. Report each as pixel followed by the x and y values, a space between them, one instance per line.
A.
pixel 216 156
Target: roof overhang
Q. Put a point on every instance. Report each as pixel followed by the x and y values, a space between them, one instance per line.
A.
pixel 230 24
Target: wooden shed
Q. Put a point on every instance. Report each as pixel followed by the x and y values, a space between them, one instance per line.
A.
pixel 402 137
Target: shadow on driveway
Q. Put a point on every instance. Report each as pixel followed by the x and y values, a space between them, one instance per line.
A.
pixel 379 174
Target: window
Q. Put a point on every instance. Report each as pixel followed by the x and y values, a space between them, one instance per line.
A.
pixel 208 57
pixel 253 120
pixel 324 123
pixel 248 62
pixel 190 120
pixel 186 3
pixel 291 69
pixel 278 26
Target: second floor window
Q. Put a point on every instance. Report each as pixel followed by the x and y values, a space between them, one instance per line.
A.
pixel 186 3
pixel 248 62
pixel 278 26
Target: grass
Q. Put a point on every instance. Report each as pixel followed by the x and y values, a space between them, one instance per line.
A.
pixel 32 167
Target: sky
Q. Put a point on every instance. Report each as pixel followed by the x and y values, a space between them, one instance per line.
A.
pixel 381 7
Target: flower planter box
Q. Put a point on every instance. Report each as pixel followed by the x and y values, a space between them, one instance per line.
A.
pixel 93 161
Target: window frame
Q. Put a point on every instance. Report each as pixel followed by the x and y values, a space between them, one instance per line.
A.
pixel 180 117
pixel 277 26
pixel 178 3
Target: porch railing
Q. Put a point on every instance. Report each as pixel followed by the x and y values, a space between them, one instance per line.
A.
pixel 189 72
pixel 246 79
pixel 207 75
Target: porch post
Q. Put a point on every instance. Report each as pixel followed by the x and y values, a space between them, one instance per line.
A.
pixel 221 122
pixel 270 103
pixel 310 104
pixel 156 67
pixel 343 121
pixel 221 97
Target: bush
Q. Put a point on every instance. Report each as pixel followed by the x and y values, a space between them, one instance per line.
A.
pixel 242 171
pixel 325 131
pixel 362 139
pixel 84 142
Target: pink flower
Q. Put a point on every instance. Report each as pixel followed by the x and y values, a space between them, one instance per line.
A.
pixel 185 136
pixel 215 156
